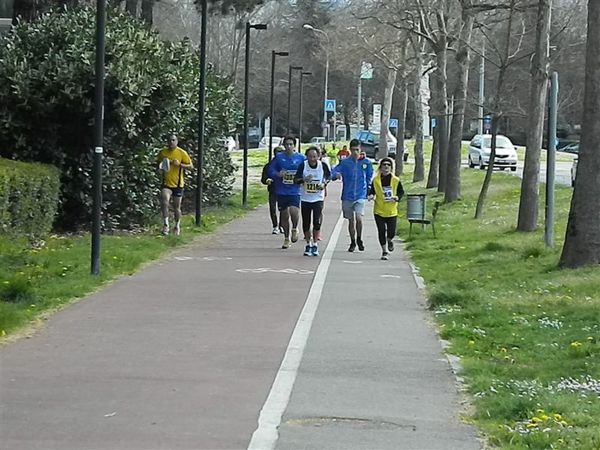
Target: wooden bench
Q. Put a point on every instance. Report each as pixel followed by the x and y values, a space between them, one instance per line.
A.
pixel 424 221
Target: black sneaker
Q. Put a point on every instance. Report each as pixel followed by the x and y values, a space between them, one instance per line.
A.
pixel 384 256
pixel 390 245
pixel 361 246
pixel 352 247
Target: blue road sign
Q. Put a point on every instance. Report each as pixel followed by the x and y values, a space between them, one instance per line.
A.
pixel 330 105
pixel 433 122
pixel 393 123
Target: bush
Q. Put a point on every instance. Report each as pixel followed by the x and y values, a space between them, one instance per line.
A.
pixel 46 111
pixel 29 197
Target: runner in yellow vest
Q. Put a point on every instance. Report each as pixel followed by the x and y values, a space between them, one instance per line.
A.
pixel 387 191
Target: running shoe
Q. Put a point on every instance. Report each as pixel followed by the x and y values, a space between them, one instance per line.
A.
pixel 352 247
pixel 177 230
pixel 286 243
pixel 390 245
pixel 308 250
pixel 275 230
pixel 281 230
pixel 314 250
pixel 294 235
pixel 360 244
pixel 165 230
pixel 384 256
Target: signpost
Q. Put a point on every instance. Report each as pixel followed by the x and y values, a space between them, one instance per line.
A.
pixel 377 117
pixel 330 105
pixel 393 123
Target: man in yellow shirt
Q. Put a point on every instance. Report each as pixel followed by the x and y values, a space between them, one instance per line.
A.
pixel 172 162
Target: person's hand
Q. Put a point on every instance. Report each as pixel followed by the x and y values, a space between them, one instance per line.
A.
pixel 320 186
pixel 395 198
pixel 175 162
pixel 269 181
pixel 371 197
pixel 308 178
pixel 281 173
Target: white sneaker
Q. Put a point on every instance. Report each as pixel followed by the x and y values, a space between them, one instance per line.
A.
pixel 177 230
pixel 275 230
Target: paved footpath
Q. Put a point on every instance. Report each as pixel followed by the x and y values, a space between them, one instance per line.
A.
pixel 234 343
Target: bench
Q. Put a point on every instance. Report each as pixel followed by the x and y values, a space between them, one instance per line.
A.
pixel 424 221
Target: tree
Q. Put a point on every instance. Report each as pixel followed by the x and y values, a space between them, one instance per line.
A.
pixel 528 205
pixel 582 239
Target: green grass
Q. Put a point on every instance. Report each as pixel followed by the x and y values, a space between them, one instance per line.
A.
pixel 38 281
pixel 524 329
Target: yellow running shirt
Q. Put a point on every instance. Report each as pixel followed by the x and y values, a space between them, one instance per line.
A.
pixel 174 176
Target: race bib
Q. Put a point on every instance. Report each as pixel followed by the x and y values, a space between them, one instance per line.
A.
pixel 388 193
pixel 311 187
pixel 288 176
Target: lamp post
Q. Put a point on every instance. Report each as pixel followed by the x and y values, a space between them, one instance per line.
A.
pixel 98 136
pixel 316 30
pixel 249 26
pixel 302 75
pixel 274 54
pixel 289 111
pixel 201 121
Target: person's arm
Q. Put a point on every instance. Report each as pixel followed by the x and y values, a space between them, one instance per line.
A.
pixel 326 173
pixel 273 170
pixel 369 175
pixel 336 173
pixel 185 163
pixel 264 177
pixel 372 190
pixel 299 177
pixel 399 191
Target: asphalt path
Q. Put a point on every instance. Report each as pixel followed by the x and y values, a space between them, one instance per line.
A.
pixel 234 343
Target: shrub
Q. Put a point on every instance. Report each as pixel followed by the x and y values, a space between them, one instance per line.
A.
pixel 46 111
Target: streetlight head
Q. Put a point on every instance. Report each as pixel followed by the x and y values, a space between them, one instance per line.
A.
pixel 308 27
pixel 259 26
pixel 306 73
pixel 296 67
pixel 282 53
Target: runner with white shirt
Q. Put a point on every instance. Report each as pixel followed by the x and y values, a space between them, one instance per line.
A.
pixel 314 175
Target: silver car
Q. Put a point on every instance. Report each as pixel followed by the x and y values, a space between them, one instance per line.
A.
pixel 480 149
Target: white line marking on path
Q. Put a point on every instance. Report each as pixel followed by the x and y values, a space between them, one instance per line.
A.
pixel 352 262
pixel 266 435
pixel 390 276
pixel 268 269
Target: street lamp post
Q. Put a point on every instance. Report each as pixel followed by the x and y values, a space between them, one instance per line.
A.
pixel 249 26
pixel 289 111
pixel 98 136
pixel 201 121
pixel 316 30
pixel 274 54
pixel 302 75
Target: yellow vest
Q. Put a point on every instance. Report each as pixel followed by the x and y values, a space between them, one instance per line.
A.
pixel 381 207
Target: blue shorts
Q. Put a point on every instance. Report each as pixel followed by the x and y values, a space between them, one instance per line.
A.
pixel 285 201
pixel 175 191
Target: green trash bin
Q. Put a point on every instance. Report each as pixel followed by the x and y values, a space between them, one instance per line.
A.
pixel 416 206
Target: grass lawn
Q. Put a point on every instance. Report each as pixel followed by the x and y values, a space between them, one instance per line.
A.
pixel 527 333
pixel 36 282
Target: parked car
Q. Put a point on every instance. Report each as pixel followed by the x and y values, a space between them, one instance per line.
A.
pixel 264 142
pixel 228 143
pixel 574 171
pixel 480 149
pixel 571 148
pixel 369 143
pixel 319 141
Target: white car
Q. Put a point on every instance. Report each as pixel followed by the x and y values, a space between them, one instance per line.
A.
pixel 264 142
pixel 574 171
pixel 480 149
pixel 319 141
pixel 228 143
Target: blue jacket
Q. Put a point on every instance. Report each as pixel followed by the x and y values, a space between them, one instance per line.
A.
pixel 356 177
pixel 290 165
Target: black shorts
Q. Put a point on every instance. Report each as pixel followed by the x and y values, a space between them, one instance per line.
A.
pixel 175 191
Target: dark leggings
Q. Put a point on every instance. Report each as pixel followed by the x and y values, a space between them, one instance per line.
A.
pixel 273 208
pixel 386 228
pixel 316 209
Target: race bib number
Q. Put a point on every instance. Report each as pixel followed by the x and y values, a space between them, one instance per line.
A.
pixel 288 177
pixel 311 187
pixel 388 193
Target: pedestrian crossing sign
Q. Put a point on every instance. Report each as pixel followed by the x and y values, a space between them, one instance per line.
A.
pixel 330 105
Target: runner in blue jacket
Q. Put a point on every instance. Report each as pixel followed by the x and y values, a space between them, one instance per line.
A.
pixel 283 169
pixel 356 175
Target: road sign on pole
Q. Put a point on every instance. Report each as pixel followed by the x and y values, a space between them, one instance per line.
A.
pixel 330 105
pixel 393 123
pixel 366 71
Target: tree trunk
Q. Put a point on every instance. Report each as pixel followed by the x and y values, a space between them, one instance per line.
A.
pixel 463 56
pixel 147 11
pixel 131 7
pixel 403 88
pixel 419 172
pixel 442 117
pixel 386 110
pixel 528 205
pixel 434 164
pixel 490 169
pixel 582 239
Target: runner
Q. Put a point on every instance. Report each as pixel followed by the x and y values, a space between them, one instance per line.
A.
pixel 387 191
pixel 314 175
pixel 356 177
pixel 272 195
pixel 283 169
pixel 343 153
